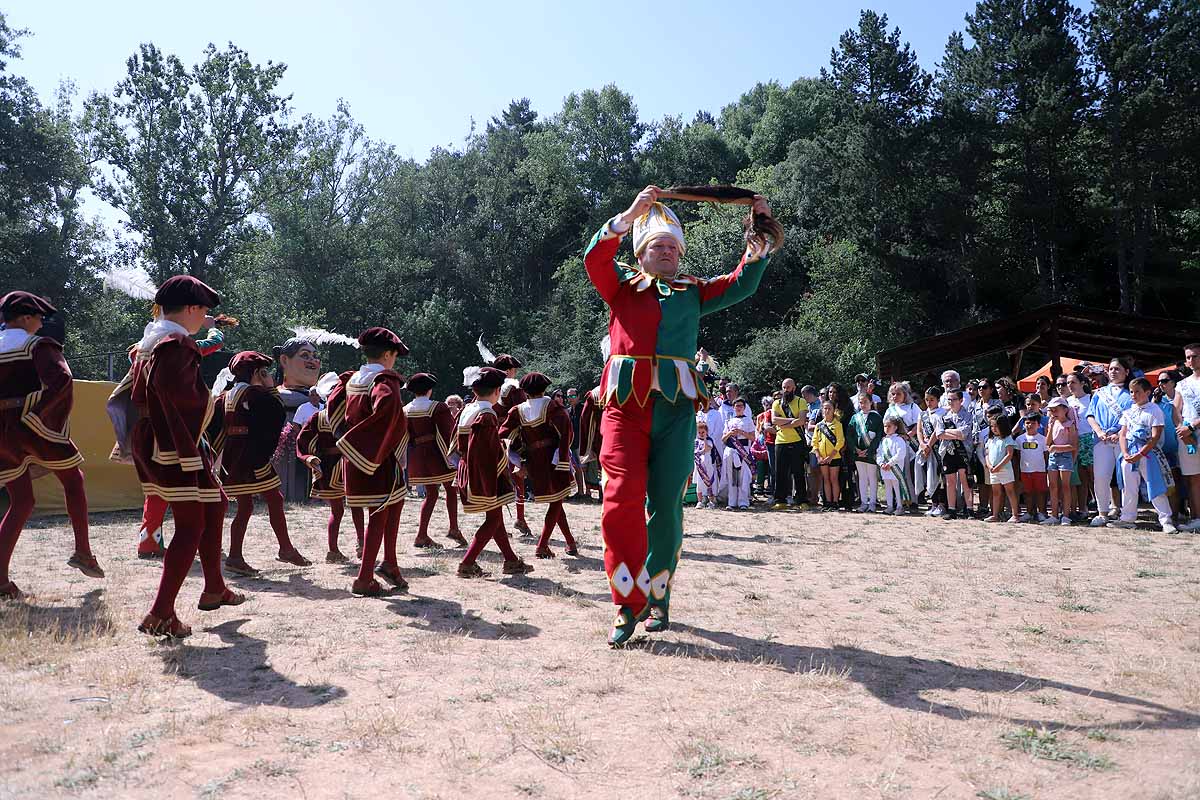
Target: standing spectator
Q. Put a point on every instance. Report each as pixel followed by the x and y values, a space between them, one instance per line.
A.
pixel 1011 399
pixel 814 400
pixel 1142 459
pixel 866 434
pixel 1104 414
pixel 1078 388
pixel 828 444
pixel 865 384
pixel 1001 451
pixel 789 417
pixel 892 454
pixel 1032 446
pixel 1062 442
pixel 1042 389
pixel 766 439
pixel 1187 403
pixel 1034 405
pixel 951 381
pixel 929 468
pixel 953 431
pixel 574 412
pixel 906 413
pixel 844 407
pixel 716 423
pixel 739 463
pixel 732 393
pixel 984 402
pixel 707 472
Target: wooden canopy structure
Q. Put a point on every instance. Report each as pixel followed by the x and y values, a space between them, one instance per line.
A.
pixel 1054 331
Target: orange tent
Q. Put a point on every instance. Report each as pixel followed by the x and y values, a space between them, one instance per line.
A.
pixel 1029 382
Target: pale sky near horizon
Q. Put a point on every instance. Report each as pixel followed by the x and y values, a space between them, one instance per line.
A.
pixel 415 75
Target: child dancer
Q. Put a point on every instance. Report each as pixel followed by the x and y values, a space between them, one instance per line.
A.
pixel 892 457
pixel 1062 443
pixel 35 407
pixel 431 428
pixel 483 472
pixel 707 474
pixel 171 462
pixel 244 433
pixel 376 436
pixel 316 446
pixel 1001 450
pixel 544 427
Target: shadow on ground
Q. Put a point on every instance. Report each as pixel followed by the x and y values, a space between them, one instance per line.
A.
pixel 902 681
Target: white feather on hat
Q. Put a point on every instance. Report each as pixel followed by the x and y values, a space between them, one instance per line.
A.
pixel 471 374
pixel 321 336
pixel 224 379
pixel 487 355
pixel 132 281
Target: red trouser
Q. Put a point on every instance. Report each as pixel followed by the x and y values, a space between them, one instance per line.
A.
pixel 197 527
pixel 492 528
pixel 337 507
pixel 383 526
pixel 647 461
pixel 245 507
pixel 20 506
pixel 154 511
pixel 427 506
pixel 556 515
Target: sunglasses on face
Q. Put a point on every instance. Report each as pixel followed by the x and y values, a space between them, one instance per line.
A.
pixel 1165 379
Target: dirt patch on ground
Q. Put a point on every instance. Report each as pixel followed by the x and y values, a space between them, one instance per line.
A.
pixel 812 655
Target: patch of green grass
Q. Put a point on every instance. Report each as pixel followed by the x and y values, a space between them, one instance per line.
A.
pixel 1045 699
pixel 1001 793
pixel 1082 608
pixel 751 793
pixel 876 589
pixel 1010 592
pixel 79 780
pixel 1036 630
pixel 1149 573
pixel 1043 744
pixel 1099 735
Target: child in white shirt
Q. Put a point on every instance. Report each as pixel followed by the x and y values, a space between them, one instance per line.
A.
pixel 1032 447
pixel 707 472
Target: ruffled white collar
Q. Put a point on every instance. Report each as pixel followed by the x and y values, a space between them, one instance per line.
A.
pixel 13 339
pixel 366 374
pixel 158 330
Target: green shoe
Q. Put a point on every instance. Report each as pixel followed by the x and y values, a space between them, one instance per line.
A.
pixel 659 620
pixel 625 625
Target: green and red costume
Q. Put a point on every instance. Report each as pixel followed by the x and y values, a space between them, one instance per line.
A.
pixel 651 392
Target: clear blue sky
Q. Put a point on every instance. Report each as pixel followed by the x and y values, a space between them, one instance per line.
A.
pixel 415 74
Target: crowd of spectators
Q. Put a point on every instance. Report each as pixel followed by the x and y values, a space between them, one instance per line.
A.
pixel 1086 446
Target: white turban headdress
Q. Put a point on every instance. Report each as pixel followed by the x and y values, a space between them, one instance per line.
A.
pixel 658 221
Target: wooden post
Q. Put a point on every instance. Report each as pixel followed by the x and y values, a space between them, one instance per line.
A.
pixel 1055 354
pixel 1014 364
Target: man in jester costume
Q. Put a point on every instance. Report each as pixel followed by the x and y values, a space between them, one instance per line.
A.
pixel 652 392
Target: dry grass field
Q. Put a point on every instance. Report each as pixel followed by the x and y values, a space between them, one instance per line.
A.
pixel 811 656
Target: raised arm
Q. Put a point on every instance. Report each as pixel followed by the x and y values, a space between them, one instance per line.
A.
pixel 600 256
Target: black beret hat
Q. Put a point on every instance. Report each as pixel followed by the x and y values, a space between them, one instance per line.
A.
pixel 184 290
pixel 505 361
pixel 421 382
pixel 19 302
pixel 535 383
pixel 382 338
pixel 489 378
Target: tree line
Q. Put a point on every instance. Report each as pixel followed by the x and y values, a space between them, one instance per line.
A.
pixel 1052 155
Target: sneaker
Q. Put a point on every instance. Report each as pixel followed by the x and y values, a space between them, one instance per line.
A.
pixel 1114 515
pixel 700 504
pixel 1169 528
pixel 1041 518
pixel 1023 518
pixel 807 507
pixel 712 505
pixel 1121 523
pixel 1191 527
pixel 937 511
pixel 1049 521
pixel 949 515
pixel 1098 521
pixel 780 507
pixel 1065 521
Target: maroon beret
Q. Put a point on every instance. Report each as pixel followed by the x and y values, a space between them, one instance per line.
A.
pixel 421 382
pixel 382 338
pixel 25 303
pixel 489 379
pixel 505 361
pixel 535 383
pixel 246 362
pixel 184 290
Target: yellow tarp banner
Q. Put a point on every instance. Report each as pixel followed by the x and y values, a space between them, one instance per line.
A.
pixel 110 486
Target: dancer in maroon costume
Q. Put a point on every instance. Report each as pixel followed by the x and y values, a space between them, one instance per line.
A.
pixel 316 447
pixel 246 422
pixel 374 443
pixel 431 433
pixel 483 472
pixel 172 461
pixel 544 427
pixel 35 404
pixel 512 395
